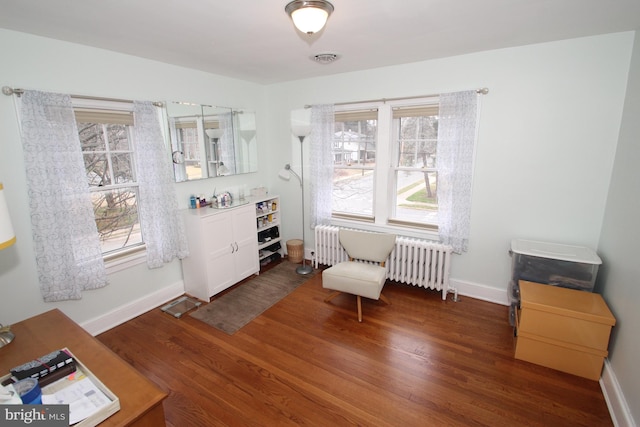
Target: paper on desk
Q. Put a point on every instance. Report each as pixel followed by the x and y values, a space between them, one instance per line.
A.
pixel 83 397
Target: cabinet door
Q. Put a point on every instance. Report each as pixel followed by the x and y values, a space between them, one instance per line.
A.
pixel 244 231
pixel 220 250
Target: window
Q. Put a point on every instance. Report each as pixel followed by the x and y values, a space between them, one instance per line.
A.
pixel 107 149
pixel 415 175
pixel 385 168
pixel 354 157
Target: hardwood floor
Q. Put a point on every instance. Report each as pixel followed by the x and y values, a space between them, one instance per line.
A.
pixel 420 361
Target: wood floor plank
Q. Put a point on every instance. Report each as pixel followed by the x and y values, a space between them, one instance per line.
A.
pixel 418 361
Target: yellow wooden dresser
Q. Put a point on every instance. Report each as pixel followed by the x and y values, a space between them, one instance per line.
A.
pixel 563 329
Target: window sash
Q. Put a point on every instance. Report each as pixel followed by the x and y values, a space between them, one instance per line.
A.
pixel 355 154
pixel 103 118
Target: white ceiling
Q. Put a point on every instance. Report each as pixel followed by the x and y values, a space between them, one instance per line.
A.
pixel 255 40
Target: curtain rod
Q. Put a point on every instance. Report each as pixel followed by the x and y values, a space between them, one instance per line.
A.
pixel 18 92
pixel 481 91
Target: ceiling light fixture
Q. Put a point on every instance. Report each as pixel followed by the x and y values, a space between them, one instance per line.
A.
pixel 309 16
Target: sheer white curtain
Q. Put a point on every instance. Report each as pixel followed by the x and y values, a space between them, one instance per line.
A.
pixel 65 235
pixel 227 149
pixel 457 132
pixel 179 169
pixel 160 222
pixel 321 162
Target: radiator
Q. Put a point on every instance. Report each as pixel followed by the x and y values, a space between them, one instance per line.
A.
pixel 413 261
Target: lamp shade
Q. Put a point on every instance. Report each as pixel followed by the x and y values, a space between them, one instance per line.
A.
pixel 284 174
pixel 309 16
pixel 214 133
pixel 7 236
pixel 301 130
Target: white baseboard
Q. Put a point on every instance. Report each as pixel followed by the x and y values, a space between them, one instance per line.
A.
pixel 133 309
pixel 617 404
pixel 481 292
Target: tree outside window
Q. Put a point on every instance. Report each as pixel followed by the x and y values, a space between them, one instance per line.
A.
pixel 107 149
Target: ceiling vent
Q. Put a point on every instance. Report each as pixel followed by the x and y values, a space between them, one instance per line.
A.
pixel 325 58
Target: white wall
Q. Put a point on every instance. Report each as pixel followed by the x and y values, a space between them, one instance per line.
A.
pixel 619 279
pixel 43 64
pixel 548 132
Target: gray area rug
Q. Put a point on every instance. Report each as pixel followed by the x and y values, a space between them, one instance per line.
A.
pixel 233 310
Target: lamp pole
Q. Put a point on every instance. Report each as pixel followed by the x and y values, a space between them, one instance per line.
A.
pixel 304 268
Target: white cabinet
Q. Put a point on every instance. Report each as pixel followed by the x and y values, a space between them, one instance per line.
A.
pixel 268 225
pixel 223 249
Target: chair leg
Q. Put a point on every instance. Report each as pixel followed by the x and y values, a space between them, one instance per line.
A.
pixel 386 301
pixel 359 300
pixel 332 295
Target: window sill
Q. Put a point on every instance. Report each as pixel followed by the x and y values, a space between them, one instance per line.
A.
pixel 388 228
pixel 124 262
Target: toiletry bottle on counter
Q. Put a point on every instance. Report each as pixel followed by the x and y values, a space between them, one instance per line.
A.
pixel 192 202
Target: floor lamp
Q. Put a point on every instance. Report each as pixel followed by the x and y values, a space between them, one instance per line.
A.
pixel 301 132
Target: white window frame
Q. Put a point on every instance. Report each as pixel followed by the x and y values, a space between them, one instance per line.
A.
pixel 363 217
pixel 127 257
pixel 384 174
pixel 394 169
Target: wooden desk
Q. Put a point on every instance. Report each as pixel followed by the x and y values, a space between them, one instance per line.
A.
pixel 140 399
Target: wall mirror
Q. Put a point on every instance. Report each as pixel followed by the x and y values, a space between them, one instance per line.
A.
pixel 208 141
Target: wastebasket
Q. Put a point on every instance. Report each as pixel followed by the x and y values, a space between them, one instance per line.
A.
pixel 295 250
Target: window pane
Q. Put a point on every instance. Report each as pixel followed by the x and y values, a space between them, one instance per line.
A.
pixel 116 213
pixel 118 138
pixel 354 156
pixel 355 143
pixel 97 169
pixel 417 142
pixel 353 191
pixel 416 199
pixel 122 168
pixel 91 137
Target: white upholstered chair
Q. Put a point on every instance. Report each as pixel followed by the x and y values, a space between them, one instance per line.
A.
pixel 363 279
